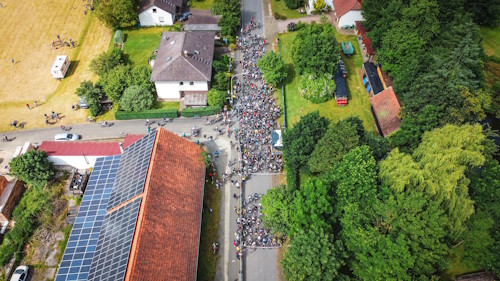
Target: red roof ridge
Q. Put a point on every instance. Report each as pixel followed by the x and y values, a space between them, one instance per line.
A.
pixel 78 148
pixel 166 239
pixel 342 7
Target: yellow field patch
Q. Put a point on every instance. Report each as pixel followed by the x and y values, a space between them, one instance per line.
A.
pixel 26 32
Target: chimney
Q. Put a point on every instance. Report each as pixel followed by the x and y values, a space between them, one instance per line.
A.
pixel 185 53
pixel 121 147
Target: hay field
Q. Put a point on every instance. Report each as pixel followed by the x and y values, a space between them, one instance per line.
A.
pixel 27 29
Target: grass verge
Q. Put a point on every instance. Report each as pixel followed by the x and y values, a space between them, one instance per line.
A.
pixel 491 40
pixel 202 4
pixel 297 106
pixel 209 230
pixel 279 7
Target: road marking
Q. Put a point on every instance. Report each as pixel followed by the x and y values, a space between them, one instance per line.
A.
pixel 270 10
pixel 227 220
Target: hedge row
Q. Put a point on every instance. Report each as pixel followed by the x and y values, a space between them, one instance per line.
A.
pixel 152 113
pixel 200 111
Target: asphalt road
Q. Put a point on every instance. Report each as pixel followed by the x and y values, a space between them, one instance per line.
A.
pixel 258 264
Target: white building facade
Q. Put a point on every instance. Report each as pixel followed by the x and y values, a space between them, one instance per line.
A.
pixel 350 18
pixel 173 90
pixel 154 16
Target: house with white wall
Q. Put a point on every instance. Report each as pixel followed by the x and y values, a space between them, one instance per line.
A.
pixel 347 12
pixel 182 69
pixel 159 12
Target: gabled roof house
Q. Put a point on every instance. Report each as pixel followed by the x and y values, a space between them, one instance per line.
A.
pixel 183 66
pixel 159 12
pixel 140 216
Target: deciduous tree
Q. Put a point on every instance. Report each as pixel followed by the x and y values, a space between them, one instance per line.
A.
pixel 118 13
pixel 106 61
pixel 33 168
pixel 216 97
pixel 317 88
pixel 272 67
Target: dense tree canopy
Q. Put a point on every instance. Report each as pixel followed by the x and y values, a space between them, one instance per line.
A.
pixel 118 13
pixel 294 4
pixel 93 93
pixel 300 140
pixel 230 10
pixel 33 168
pixel 106 61
pixel 337 141
pixel 273 68
pixel 315 51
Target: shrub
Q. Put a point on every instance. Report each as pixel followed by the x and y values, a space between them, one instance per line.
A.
pixel 278 16
pixel 294 4
pixel 232 46
pixel 221 81
pixel 200 111
pixel 136 98
pixel 152 113
pixel 216 97
pixel 319 5
pixel 317 89
pixel 106 61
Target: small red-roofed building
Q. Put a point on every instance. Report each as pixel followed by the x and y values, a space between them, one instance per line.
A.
pixel 80 155
pixel 385 110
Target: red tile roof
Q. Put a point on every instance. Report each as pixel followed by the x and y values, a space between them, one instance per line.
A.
pixel 342 7
pixel 130 139
pixel 367 41
pixel 57 148
pixel 167 234
pixel 386 108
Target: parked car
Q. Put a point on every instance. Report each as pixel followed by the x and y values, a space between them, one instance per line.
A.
pixel 185 16
pixel 83 102
pixel 20 273
pixel 67 137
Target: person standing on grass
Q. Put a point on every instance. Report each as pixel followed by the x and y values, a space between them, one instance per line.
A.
pixel 35 104
pixel 12 60
pixel 28 106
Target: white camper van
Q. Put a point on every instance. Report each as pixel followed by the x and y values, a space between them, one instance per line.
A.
pixel 60 67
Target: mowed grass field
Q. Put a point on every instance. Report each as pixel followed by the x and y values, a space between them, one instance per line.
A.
pixel 297 106
pixel 26 32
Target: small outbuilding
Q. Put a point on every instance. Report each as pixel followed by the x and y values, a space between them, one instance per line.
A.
pixel 347 48
pixel 60 67
pixel 365 41
pixel 118 38
pixel 385 110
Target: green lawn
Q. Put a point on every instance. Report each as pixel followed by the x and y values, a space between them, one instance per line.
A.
pixel 202 4
pixel 279 7
pixel 491 40
pixel 358 104
pixel 209 231
pixel 141 42
pixel 165 105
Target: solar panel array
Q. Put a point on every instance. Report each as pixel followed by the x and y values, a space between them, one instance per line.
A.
pixel 113 249
pixel 132 171
pixel 82 242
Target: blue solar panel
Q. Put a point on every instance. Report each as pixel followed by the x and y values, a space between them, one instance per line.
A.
pixel 132 171
pixel 113 249
pixel 82 242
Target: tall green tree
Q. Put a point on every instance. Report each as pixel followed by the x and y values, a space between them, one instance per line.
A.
pixel 314 256
pixel 414 126
pixel 484 12
pixel 294 4
pixel 315 50
pixel 93 93
pixel 33 168
pixel 337 142
pixel 116 81
pixel 273 68
pixel 106 61
pixel 300 140
pixel 276 205
pixel 311 207
pixel 438 168
pixel 118 13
